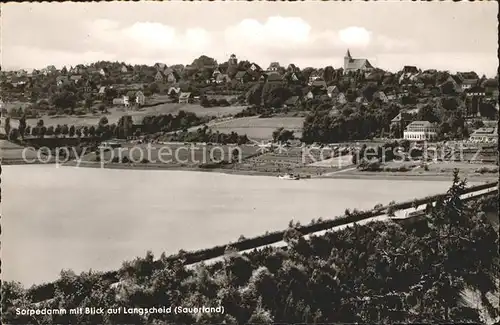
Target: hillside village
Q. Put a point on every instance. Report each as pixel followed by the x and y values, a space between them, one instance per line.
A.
pixel 239 102
pixel 249 163
pixel 455 103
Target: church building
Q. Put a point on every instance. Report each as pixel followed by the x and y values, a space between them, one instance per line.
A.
pixel 351 64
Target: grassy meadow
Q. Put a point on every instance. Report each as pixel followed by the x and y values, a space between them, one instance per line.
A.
pixel 260 128
pixel 115 113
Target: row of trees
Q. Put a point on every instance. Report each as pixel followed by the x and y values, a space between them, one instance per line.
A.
pixel 102 130
pixel 375 273
pixel 124 128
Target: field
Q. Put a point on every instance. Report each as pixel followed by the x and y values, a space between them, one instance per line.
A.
pixel 13 152
pixel 465 167
pixel 115 114
pixel 294 160
pixel 260 128
pixel 410 169
pixel 337 162
pixel 226 97
pixel 10 105
pixel 174 108
pixel 254 127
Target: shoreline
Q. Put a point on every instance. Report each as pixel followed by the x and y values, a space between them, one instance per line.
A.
pixel 409 177
pixel 230 171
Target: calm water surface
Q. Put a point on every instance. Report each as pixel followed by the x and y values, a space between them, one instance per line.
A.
pixel 55 218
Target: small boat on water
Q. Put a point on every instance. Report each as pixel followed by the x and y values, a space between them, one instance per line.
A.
pixel 289 177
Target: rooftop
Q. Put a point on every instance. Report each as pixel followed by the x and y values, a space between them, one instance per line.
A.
pixel 402 116
pixel 490 83
pixel 470 82
pixel 420 124
pixel 358 64
pixel 318 83
pixel 274 76
pixel 410 68
pixel 240 74
pixel 486 131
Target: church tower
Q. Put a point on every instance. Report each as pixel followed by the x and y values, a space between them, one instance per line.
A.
pixel 233 60
pixel 347 59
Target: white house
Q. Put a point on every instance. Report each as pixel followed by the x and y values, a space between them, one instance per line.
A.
pixel 408 77
pixel 221 78
pixel 475 92
pixel 140 99
pixel 185 98
pixel 341 99
pixel 331 90
pixel 469 83
pixel 121 101
pixel 420 131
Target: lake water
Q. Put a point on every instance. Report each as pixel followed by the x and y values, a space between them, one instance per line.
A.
pixel 78 218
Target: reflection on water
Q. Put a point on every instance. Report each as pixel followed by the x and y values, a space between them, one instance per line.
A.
pixel 55 218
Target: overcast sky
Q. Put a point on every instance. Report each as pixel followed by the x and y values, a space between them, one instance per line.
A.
pixel 441 35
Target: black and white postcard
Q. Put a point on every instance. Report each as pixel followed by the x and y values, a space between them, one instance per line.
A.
pixel 249 162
